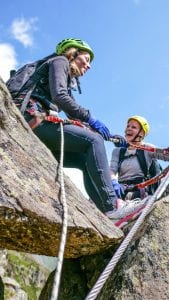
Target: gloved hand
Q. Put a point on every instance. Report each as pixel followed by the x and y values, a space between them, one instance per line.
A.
pixel 100 128
pixel 121 141
pixel 117 188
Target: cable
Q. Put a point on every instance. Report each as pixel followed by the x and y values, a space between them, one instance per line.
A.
pixel 56 282
pixel 116 257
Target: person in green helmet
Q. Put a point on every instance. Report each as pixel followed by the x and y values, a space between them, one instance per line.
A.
pixel 83 148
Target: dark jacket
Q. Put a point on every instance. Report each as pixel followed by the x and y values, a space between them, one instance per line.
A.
pixel 56 87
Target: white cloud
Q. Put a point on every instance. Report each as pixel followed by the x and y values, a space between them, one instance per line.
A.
pixel 8 60
pixel 22 30
pixel 77 178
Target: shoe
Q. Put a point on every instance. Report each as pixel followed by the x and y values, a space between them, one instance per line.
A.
pixel 128 212
pixel 119 203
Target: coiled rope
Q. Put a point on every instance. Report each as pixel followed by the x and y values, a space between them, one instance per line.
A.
pixel 57 276
pixel 116 257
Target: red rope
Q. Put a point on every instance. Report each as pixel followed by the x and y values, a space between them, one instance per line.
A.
pixel 143 147
pixel 164 151
pixel 53 119
pixel 153 180
pixel 63 121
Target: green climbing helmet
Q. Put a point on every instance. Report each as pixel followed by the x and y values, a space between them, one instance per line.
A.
pixel 76 43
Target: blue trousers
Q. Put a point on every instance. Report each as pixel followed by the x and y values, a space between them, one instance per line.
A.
pixel 84 150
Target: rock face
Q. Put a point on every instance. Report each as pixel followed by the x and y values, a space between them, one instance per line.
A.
pixel 31 220
pixel 30 206
pixel 141 274
pixel 22 278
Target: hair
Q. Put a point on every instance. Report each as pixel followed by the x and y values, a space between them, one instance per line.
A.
pixel 71 54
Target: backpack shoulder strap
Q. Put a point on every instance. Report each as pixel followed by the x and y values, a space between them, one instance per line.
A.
pixel 142 161
pixel 121 157
pixel 38 70
pixel 121 154
pixel 155 168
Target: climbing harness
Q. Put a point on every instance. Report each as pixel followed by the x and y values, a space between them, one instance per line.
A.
pixel 57 276
pixel 116 257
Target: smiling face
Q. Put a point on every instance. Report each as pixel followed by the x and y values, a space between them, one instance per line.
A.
pixel 82 62
pixel 134 132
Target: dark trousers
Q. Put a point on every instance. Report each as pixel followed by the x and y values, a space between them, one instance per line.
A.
pixel 85 150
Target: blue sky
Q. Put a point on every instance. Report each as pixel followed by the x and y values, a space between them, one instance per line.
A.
pixel 130 39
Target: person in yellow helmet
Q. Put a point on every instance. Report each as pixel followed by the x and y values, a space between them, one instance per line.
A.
pixel 133 165
pixel 130 166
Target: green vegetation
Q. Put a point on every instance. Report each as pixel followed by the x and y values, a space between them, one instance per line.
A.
pixel 28 274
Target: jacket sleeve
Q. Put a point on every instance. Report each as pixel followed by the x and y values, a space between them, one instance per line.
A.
pixel 58 85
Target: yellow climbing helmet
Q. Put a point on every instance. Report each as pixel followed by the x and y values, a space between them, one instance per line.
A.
pixel 142 121
pixel 76 43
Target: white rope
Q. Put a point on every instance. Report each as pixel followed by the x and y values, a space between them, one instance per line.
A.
pixel 111 265
pixel 56 282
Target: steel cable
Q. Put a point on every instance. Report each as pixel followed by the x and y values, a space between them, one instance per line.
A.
pixel 116 257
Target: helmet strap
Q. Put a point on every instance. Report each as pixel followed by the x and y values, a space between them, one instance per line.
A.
pixel 138 137
pixel 75 55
